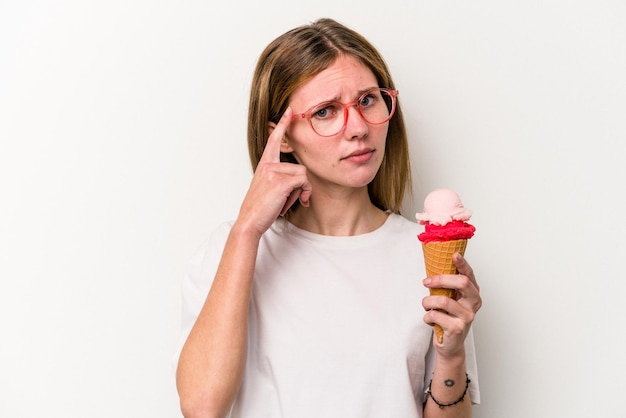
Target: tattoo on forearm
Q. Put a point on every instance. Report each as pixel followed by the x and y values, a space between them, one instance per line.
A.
pixel 448 383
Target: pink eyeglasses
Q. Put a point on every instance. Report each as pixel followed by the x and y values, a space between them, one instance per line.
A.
pixel 376 106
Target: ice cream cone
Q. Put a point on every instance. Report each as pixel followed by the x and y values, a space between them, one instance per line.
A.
pixel 438 260
pixel 446 232
pixel 438 256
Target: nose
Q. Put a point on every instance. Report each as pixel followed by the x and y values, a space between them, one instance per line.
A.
pixel 356 127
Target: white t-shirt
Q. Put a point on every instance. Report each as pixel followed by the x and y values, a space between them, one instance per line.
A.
pixel 336 323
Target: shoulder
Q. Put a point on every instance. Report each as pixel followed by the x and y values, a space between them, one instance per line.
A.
pixel 217 237
pixel 212 246
pixel 398 224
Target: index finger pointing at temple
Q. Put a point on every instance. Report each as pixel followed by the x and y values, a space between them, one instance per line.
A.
pixel 272 148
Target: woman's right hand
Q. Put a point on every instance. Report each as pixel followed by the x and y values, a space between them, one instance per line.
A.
pixel 275 186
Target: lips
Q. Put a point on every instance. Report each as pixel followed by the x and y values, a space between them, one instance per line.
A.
pixel 359 156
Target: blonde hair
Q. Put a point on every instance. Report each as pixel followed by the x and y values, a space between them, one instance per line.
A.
pixel 297 56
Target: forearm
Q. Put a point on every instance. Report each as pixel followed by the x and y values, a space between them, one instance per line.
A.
pixel 212 360
pixel 455 316
pixel 448 386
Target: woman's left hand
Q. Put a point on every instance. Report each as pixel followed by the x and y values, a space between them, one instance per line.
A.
pixel 455 315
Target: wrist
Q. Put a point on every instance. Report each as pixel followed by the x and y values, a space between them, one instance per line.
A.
pixel 454 360
pixel 449 383
pixel 446 403
pixel 243 229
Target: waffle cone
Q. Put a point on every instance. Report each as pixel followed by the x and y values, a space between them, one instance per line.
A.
pixel 438 260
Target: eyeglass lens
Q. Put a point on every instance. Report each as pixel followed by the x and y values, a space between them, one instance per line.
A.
pixel 374 106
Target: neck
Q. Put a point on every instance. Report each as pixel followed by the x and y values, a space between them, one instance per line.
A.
pixel 345 214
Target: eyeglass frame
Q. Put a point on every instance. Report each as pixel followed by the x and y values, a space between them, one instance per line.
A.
pixel 346 109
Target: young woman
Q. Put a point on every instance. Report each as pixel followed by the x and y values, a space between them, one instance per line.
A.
pixel 307 304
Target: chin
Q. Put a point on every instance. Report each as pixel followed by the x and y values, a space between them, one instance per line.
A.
pixel 359 182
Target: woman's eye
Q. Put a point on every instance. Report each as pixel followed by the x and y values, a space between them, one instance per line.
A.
pixel 326 111
pixel 368 100
pixel 321 113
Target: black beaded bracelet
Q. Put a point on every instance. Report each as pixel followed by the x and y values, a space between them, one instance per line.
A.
pixel 443 405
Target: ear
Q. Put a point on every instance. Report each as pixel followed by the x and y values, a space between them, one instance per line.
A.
pixel 285 148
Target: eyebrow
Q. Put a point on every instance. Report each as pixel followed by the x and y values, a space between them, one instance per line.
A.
pixel 359 94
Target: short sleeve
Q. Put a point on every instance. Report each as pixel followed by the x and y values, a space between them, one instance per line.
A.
pixel 197 282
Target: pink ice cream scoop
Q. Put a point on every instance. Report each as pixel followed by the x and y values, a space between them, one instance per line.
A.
pixel 444 217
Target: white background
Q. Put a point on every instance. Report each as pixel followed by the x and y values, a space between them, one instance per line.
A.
pixel 122 145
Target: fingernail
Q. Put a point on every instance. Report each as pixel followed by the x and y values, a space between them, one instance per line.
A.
pixel 427 281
